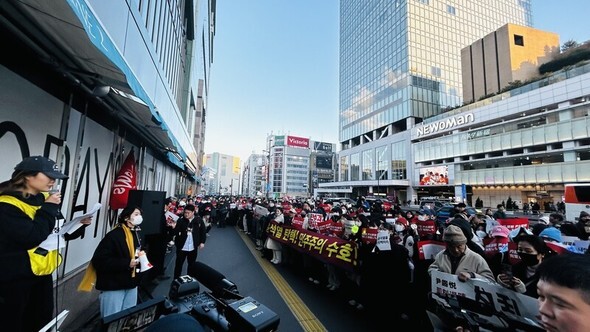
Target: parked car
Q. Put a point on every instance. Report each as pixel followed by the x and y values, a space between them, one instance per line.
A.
pixel 446 212
pixel 386 203
pixel 337 201
pixel 433 204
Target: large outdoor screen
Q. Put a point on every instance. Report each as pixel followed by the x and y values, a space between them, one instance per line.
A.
pixel 324 162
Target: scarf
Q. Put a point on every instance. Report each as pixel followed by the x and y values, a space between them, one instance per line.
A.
pixel 89 278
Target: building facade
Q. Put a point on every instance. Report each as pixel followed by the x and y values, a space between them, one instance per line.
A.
pixel 224 174
pixel 400 62
pixel 295 166
pixel 523 144
pixel 253 175
pixel 88 83
pixel 510 54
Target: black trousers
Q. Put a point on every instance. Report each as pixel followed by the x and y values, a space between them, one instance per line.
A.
pixel 26 304
pixel 181 256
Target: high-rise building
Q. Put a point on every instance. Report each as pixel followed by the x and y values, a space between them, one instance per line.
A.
pixel 400 62
pixel 503 57
pixel 253 175
pixel 224 174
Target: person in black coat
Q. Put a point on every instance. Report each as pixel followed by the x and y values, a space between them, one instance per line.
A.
pixel 580 229
pixel 191 234
pixel 26 299
pixel 116 263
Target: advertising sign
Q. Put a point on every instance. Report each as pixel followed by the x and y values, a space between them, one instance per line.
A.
pixel 299 142
pixel 322 146
pixel 434 176
pixel 279 141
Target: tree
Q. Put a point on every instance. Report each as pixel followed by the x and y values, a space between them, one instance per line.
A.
pixel 569 45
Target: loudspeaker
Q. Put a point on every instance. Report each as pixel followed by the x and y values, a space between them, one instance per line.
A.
pixel 152 205
pixel 144 263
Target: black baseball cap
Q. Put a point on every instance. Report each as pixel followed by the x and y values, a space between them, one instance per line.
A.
pixel 40 164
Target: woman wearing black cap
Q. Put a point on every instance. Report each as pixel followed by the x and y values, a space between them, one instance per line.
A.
pixel 28 215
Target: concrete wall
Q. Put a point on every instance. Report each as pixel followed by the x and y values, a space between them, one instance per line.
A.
pixel 494 61
pixel 32 122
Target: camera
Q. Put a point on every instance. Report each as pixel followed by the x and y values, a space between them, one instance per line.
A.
pixel 221 308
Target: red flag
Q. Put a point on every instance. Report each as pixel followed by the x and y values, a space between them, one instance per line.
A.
pixel 126 181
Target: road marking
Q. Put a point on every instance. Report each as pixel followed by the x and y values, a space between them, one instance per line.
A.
pixel 306 318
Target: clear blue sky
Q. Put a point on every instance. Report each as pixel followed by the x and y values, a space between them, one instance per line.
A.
pixel 275 68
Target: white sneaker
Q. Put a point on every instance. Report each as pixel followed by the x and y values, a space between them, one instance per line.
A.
pixel 171 243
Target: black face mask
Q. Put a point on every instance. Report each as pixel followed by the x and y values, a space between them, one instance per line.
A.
pixel 529 259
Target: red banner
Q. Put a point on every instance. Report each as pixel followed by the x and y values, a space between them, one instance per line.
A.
pixel 494 246
pixel 314 219
pixel 329 249
pixel 336 229
pixel 514 223
pixel 426 228
pixel 126 181
pixel 297 222
pixel 369 235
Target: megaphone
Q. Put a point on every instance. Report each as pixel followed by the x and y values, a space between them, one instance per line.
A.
pixel 144 263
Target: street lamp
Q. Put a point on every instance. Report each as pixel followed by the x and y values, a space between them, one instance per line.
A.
pixel 378 184
pixel 267 175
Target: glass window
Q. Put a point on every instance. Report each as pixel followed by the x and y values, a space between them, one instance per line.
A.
pixel 368 165
pixel 382 158
pixel 354 167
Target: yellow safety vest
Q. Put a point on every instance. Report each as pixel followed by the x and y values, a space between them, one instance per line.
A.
pixel 40 264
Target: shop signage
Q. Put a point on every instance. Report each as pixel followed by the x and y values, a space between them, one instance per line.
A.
pixel 446 124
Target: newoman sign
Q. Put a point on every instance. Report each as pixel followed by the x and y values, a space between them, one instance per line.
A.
pixel 445 124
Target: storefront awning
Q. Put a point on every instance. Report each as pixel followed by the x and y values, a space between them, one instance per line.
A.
pixel 68 37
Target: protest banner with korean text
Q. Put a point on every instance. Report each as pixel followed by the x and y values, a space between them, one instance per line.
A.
pixel 329 249
pixel 505 306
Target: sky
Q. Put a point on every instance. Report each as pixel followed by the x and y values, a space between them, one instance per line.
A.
pixel 275 68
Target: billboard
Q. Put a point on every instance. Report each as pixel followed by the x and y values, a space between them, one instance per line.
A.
pixel 324 162
pixel 279 141
pixel 434 176
pixel 299 142
pixel 322 146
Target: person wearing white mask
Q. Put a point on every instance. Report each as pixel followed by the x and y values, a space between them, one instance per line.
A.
pixel 116 263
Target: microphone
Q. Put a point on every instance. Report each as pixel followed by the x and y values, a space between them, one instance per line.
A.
pixel 216 282
pixel 53 191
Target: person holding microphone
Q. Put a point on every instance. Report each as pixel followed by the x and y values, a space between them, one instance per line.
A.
pixel 28 215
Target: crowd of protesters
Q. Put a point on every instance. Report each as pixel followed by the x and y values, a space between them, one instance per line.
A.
pixel 389 277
